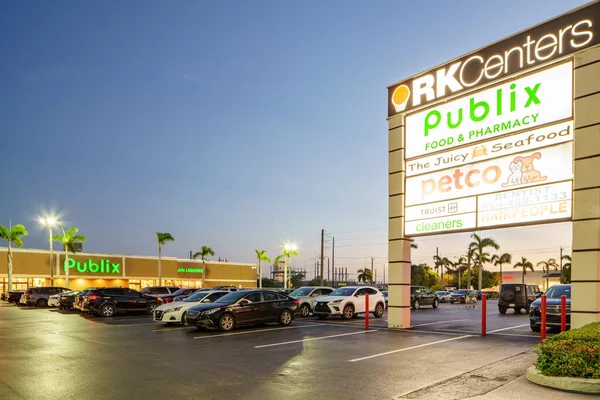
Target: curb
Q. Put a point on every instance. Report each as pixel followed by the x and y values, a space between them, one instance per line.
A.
pixel 578 385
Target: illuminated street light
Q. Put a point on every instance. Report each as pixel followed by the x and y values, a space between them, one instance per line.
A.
pixel 50 222
pixel 289 250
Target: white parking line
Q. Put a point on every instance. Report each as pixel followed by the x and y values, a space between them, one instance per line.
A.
pixel 506 329
pixel 408 348
pixel 311 339
pixel 343 325
pixel 254 331
pixel 442 322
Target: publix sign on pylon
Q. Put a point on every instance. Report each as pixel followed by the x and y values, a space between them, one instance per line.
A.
pixel 515 105
pixel 89 266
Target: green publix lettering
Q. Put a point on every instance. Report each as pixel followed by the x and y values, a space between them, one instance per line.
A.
pixel 478 111
pixel 104 267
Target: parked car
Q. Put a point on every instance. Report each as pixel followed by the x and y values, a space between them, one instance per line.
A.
pixel 385 294
pixel 307 296
pixel 38 296
pixel 14 296
pixel 107 302
pixel 422 296
pixel 54 300
pixel 159 291
pixel 464 296
pixel 78 303
pixel 349 301
pixel 228 288
pixel 244 307
pixel 67 300
pixel 171 297
pixel 444 295
pixel 517 296
pixel 176 311
pixel 183 297
pixel 553 308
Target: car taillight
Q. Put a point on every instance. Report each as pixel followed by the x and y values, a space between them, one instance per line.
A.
pixel 297 302
pixel 93 297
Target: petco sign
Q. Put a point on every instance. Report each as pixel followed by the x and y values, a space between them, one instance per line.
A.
pixel 541 44
pixel 533 167
pixel 516 105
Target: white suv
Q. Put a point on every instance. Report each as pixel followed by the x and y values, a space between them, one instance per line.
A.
pixel 175 312
pixel 349 301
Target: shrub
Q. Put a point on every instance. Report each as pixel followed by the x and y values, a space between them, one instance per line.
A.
pixel 575 353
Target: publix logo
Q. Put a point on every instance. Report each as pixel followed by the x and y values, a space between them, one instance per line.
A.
pixel 104 267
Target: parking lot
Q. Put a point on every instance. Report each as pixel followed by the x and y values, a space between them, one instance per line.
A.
pixel 62 354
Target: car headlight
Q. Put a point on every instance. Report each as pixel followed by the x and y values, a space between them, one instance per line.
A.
pixel 211 311
pixel 336 302
pixel 173 309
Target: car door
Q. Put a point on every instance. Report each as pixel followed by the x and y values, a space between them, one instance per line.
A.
pixel 359 300
pixel 373 298
pixel 120 297
pixel 248 308
pixel 428 296
pixel 135 300
pixel 271 307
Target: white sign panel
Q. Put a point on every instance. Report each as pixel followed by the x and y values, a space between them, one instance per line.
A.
pixel 441 225
pixel 441 209
pixel 550 135
pixel 540 203
pixel 534 167
pixel 524 103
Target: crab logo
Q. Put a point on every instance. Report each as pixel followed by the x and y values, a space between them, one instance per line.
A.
pixel 479 151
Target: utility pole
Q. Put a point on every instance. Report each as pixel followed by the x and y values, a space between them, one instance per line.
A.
pixel 372 259
pixel 468 268
pixel 346 275
pixel 384 281
pixel 327 263
pixel 561 265
pixel 322 253
pixel 332 257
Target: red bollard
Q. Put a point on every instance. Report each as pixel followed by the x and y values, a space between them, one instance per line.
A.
pixel 483 314
pixel 543 327
pixel 563 313
pixel 367 311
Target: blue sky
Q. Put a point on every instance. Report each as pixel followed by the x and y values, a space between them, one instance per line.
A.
pixel 232 124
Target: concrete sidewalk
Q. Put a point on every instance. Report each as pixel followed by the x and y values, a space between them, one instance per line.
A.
pixel 521 388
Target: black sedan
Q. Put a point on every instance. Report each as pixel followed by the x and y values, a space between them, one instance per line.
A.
pixel 244 307
pixel 464 296
pixel 553 308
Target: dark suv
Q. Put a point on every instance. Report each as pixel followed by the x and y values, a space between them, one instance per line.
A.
pixel 38 296
pixel 107 302
pixel 422 296
pixel 553 308
pixel 159 291
pixel 517 296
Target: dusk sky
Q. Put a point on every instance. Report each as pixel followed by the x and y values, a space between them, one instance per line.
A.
pixel 233 124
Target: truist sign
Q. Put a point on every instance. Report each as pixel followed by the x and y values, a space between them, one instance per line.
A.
pixel 539 45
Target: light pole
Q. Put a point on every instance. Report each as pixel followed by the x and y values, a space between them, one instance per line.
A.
pixel 288 250
pixel 50 222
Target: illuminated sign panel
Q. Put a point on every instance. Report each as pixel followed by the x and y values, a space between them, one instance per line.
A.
pixel 542 137
pixel 190 270
pixel 534 167
pixel 541 44
pixel 442 224
pixel 440 209
pixel 524 103
pixel 89 266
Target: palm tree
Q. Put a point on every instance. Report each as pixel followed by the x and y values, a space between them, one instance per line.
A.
pixel 469 258
pixel 440 263
pixel 288 253
pixel 205 252
pixel 365 275
pixel 68 240
pixel 163 237
pixel 525 264
pixel 478 245
pixel 501 260
pixel 546 267
pixel 565 275
pixel 297 279
pixel 12 235
pixel 262 256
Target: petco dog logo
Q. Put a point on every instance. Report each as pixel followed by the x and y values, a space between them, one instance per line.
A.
pixel 554 39
pixel 550 164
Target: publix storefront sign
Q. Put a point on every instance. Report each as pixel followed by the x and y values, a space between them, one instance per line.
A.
pixel 89 266
pixel 524 103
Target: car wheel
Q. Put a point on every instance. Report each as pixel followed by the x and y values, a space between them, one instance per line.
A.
pixel 107 310
pixel 285 318
pixel 535 328
pixel 151 307
pixel 348 312
pixel 502 310
pixel 41 303
pixel 436 303
pixel 378 313
pixel 226 322
pixel 416 305
pixel 304 310
pixel 184 318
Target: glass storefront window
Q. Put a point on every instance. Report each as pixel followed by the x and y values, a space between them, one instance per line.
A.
pixel 135 284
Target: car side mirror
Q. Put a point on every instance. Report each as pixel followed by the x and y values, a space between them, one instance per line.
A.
pixel 206 301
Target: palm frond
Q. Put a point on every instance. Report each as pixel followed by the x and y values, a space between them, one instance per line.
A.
pixel 164 237
pixel 18 231
pixel 18 242
pixel 3 232
pixel 58 238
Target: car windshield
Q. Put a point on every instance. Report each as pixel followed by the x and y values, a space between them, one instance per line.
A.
pixel 556 291
pixel 231 297
pixel 301 292
pixel 385 292
pixel 460 292
pixel 180 291
pixel 343 292
pixel 196 297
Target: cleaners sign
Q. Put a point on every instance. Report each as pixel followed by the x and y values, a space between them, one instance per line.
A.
pixel 534 100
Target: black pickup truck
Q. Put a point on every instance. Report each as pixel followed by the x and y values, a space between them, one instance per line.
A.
pixel 12 297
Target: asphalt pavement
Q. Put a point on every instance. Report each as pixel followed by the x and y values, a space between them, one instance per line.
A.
pixel 47 353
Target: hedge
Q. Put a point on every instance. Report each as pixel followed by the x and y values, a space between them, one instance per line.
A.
pixel 575 353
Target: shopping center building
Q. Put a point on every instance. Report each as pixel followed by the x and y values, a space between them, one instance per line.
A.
pixel 31 268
